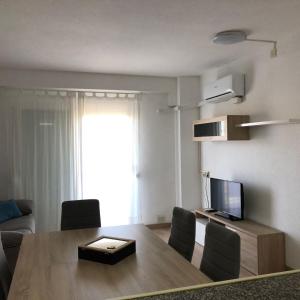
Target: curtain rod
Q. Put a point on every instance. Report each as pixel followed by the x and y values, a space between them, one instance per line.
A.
pixel 71 89
pixel 83 90
pixel 100 93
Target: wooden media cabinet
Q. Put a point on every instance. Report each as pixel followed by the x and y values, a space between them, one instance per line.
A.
pixel 262 247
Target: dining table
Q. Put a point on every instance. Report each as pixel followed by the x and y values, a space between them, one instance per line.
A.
pixel 48 266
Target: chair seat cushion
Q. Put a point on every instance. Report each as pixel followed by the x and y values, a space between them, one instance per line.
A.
pixel 9 210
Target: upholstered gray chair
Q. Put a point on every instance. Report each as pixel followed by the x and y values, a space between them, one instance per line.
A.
pixel 79 214
pixel 11 241
pixel 5 275
pixel 183 230
pixel 221 254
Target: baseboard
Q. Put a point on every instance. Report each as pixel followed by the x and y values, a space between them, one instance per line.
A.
pixel 158 226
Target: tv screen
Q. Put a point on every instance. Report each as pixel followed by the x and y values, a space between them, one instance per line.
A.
pixel 227 197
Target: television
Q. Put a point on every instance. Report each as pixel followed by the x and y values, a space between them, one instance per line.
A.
pixel 227 198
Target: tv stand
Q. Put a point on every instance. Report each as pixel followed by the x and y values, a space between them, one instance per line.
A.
pixel 227 216
pixel 262 247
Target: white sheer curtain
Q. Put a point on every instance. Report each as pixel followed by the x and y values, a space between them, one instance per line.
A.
pixel 109 157
pixel 39 138
pixel 61 145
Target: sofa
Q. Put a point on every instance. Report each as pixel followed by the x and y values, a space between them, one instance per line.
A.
pixel 12 231
pixel 23 224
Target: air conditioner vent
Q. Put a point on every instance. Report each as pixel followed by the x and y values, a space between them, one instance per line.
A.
pixel 224 89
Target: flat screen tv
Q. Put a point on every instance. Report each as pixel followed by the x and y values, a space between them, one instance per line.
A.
pixel 227 197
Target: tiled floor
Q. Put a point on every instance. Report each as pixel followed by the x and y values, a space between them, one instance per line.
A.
pixel 164 234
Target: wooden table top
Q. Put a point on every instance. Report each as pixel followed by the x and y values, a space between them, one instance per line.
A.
pixel 48 267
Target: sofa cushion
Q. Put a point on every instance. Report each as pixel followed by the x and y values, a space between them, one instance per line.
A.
pixel 25 206
pixel 9 210
pixel 24 224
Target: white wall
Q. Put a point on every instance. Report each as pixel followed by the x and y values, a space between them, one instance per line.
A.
pixel 157 160
pixel 188 187
pixel 269 163
pixel 157 169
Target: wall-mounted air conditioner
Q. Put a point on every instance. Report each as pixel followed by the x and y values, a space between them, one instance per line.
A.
pixel 224 89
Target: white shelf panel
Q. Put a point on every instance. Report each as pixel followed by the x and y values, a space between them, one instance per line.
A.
pixel 272 122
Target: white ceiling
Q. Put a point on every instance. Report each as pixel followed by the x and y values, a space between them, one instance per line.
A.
pixel 144 37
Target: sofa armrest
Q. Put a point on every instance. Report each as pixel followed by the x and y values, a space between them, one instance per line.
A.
pixel 11 242
pixel 25 206
pixel 11 239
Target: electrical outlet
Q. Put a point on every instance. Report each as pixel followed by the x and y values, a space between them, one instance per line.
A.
pixel 204 173
pixel 161 219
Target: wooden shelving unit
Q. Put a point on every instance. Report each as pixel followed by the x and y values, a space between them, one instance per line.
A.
pixel 222 128
pixel 262 247
pixel 272 122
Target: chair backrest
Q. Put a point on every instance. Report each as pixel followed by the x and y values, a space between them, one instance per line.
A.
pixel 79 214
pixel 221 254
pixel 183 230
pixel 5 275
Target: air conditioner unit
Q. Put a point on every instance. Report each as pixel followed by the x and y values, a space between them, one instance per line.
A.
pixel 224 89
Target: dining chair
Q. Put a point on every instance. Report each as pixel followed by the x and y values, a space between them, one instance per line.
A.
pixel 11 242
pixel 79 214
pixel 221 254
pixel 5 275
pixel 183 230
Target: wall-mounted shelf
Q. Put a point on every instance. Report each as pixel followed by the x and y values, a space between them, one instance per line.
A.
pixel 265 123
pixel 221 129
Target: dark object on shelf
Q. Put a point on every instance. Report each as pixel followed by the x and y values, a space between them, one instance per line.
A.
pixel 107 250
pixel 210 210
pixel 227 216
